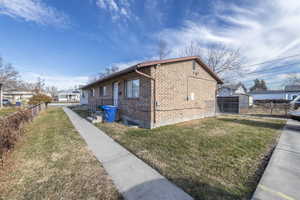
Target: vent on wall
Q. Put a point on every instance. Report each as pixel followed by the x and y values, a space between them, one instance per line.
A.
pixel 194 65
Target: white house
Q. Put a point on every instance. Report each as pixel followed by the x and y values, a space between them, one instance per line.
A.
pixel 18 96
pixel 232 90
pixel 68 96
pixel 84 95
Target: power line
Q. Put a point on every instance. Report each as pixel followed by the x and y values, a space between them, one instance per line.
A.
pixel 272 68
pixel 267 71
pixel 268 61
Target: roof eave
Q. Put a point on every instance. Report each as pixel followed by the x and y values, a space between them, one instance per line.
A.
pixel 213 74
pixel 127 70
pixel 142 65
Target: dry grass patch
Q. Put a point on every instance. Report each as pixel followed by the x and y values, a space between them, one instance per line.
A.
pixel 8 110
pixel 279 111
pixel 53 162
pixel 212 158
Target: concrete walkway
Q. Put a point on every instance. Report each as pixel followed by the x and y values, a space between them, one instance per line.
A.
pixel 281 179
pixel 133 178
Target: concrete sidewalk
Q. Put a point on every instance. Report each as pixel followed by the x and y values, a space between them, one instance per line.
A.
pixel 281 179
pixel 134 179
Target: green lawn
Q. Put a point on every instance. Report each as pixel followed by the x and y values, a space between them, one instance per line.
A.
pixel 51 161
pixel 212 158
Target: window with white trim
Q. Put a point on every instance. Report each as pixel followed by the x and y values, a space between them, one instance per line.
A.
pixel 133 88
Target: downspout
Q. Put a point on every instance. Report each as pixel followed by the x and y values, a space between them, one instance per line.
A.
pixel 154 90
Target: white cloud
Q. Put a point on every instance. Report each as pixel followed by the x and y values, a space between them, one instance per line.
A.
pixel 262 35
pixel 124 65
pixel 120 10
pixel 59 81
pixel 108 4
pixel 263 30
pixel 33 10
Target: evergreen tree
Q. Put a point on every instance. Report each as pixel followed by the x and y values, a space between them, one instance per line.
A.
pixel 259 85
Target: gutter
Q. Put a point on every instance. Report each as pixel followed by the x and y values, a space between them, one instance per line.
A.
pixel 154 90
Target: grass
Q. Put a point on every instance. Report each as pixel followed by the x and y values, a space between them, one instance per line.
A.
pixel 53 162
pixel 212 158
pixel 7 110
pixel 81 110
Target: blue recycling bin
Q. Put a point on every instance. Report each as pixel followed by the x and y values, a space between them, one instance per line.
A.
pixel 110 113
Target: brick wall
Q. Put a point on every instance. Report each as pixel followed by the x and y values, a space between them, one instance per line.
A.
pixel 183 93
pixel 132 109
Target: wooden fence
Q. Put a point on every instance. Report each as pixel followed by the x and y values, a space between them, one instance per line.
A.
pixel 11 127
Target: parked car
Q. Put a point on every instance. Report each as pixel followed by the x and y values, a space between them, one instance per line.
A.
pixel 6 102
pixel 296 103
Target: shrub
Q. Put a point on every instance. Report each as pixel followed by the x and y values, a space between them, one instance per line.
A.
pixel 11 127
pixel 39 98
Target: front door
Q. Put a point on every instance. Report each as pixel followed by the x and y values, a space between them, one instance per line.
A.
pixel 116 93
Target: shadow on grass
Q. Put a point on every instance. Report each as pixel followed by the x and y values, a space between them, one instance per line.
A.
pixel 159 189
pixel 268 115
pixel 254 123
pixel 292 127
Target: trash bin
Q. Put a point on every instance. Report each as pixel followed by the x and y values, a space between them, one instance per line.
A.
pixel 110 113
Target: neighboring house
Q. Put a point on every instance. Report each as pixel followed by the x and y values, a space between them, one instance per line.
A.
pixel 18 96
pixel 292 88
pixel 231 90
pixel 156 93
pixel 84 97
pixel 288 95
pixel 68 96
pixel 233 98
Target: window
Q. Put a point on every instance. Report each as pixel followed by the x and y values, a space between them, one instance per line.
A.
pixel 133 88
pixel 294 97
pixel 63 96
pixel 92 92
pixel 103 91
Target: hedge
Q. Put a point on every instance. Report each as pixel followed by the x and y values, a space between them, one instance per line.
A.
pixel 11 127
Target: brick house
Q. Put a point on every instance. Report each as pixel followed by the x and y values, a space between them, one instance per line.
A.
pixel 157 93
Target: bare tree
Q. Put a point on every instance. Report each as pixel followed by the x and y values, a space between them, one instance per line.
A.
pixel 22 85
pixel 51 90
pixel 223 59
pixel 163 50
pixel 107 71
pixel 192 50
pixel 39 86
pixel 292 79
pixel 8 75
pixel 218 57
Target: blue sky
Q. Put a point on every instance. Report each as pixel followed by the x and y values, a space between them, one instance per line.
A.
pixel 65 42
